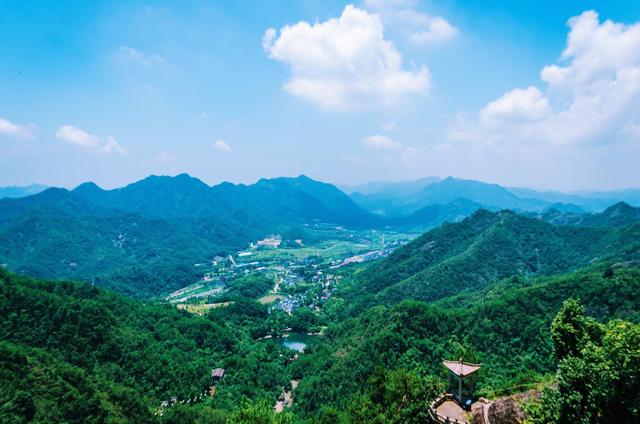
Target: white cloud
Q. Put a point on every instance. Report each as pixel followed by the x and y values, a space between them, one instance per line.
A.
pixel 112 146
pixel 130 54
pixel 516 106
pixel 344 62
pixel 389 147
pixel 222 146
pixel 389 126
pixel 381 142
pixel 10 129
pixel 420 28
pixel 77 137
pixel 591 97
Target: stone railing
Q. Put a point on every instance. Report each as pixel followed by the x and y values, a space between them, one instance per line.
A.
pixel 438 418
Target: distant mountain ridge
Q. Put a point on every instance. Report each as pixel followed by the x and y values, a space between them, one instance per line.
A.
pixel 387 187
pixel 404 198
pixel 617 215
pixel 21 191
pixel 299 198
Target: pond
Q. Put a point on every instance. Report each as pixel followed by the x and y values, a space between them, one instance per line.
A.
pixel 295 341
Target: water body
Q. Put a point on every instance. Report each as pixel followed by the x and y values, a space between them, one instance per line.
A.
pixel 295 341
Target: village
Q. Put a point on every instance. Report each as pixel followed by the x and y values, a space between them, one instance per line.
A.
pixel 302 275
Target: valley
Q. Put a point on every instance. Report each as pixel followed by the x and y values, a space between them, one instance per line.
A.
pixel 302 275
pixel 311 319
pixel 319 212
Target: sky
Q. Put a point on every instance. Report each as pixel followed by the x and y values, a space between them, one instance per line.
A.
pixel 540 94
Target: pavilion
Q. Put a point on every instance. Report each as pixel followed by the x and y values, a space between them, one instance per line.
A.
pixel 217 374
pixel 461 370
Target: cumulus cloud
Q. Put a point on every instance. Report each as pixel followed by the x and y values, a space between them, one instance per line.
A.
pixel 592 96
pixel 344 62
pixel 10 129
pixel 222 146
pixel 419 27
pixel 77 137
pixel 519 105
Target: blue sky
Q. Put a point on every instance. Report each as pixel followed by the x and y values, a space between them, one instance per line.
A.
pixel 383 89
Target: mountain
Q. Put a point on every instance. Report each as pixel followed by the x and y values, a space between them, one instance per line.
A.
pixel 630 195
pixel 143 239
pixel 299 199
pixel 401 199
pixel 591 201
pixel 617 215
pixel 386 188
pixel 158 196
pixel 21 191
pixel 366 188
pixel 489 195
pixel 566 207
pixel 410 197
pixel 433 215
pixel 488 246
pixel 312 200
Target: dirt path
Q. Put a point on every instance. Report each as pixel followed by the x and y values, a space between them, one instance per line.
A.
pixel 287 397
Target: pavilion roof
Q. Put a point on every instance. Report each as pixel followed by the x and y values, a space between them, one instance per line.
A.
pixel 461 369
pixel 217 372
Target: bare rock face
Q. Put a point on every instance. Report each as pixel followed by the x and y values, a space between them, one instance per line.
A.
pixel 505 411
pixel 477 413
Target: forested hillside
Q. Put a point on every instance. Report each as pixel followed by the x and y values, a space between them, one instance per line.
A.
pixel 486 247
pixel 509 333
pixel 72 352
pixel 143 239
pixel 70 347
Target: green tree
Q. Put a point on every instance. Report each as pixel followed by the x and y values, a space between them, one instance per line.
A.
pixel 569 330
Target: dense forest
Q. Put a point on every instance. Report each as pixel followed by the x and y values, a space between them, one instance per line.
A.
pixel 70 347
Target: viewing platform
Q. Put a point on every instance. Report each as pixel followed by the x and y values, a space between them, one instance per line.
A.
pixel 453 406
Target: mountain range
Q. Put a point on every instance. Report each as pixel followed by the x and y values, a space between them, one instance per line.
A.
pixel 484 285
pixel 143 239
pixel 404 198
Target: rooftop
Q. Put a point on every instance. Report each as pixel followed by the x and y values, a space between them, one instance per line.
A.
pixel 217 373
pixel 461 369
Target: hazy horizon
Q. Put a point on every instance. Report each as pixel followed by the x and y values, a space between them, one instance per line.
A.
pixel 337 184
pixel 536 94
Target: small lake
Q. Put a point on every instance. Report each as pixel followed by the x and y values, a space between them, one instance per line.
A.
pixel 295 341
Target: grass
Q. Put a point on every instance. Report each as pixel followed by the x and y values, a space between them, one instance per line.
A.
pixel 202 308
pixel 270 298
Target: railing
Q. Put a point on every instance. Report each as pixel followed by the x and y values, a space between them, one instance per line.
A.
pixel 438 418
